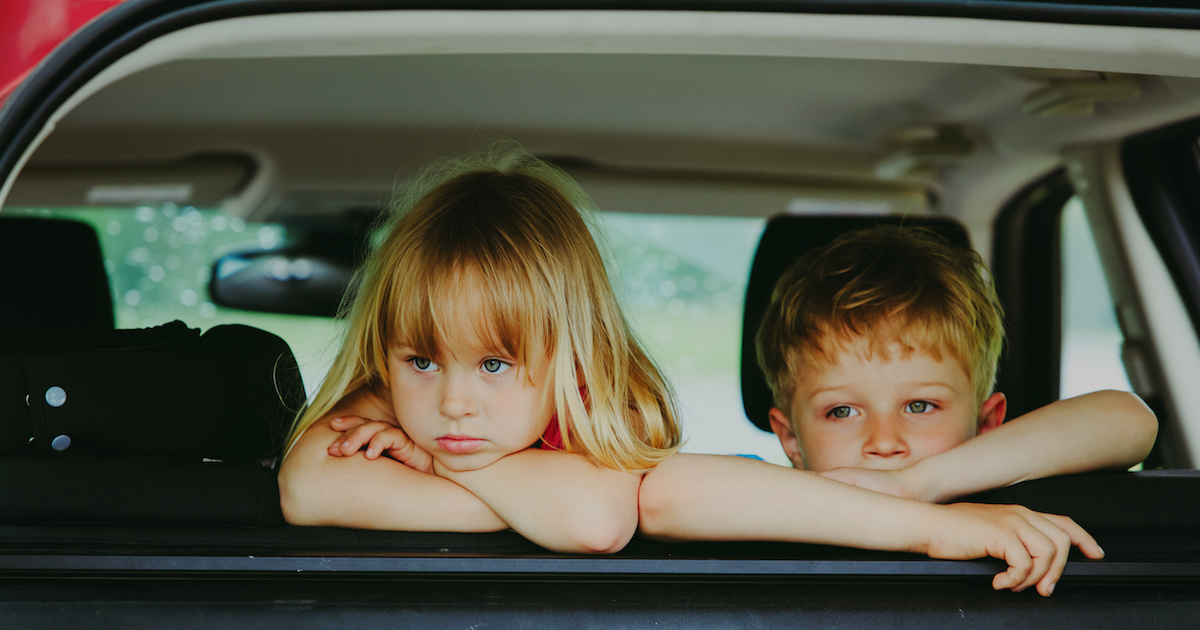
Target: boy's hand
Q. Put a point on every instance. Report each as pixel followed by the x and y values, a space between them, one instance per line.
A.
pixel 893 482
pixel 1034 545
pixel 377 438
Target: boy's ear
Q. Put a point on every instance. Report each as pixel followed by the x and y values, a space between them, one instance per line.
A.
pixel 991 413
pixel 782 426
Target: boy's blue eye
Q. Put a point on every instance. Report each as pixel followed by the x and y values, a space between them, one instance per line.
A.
pixel 919 406
pixel 495 366
pixel 843 411
pixel 421 364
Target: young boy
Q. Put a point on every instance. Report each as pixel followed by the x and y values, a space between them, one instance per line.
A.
pixel 881 351
pixel 881 354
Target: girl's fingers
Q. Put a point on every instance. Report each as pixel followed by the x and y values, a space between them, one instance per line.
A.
pixel 344 423
pixel 385 440
pixel 354 439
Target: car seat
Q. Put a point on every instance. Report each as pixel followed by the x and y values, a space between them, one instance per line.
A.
pixel 52 276
pixel 58 330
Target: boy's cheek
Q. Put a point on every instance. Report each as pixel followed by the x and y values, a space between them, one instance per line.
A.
pixel 820 451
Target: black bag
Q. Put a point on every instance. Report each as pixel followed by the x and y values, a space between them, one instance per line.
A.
pixel 230 394
pixel 145 427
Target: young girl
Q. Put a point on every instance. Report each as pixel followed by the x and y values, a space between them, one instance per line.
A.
pixel 490 381
pixel 485 323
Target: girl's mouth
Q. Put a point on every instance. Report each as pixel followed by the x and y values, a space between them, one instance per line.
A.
pixel 459 443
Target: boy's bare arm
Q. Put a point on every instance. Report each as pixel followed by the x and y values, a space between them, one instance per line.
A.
pixel 1107 429
pixel 561 501
pixel 713 497
pixel 317 488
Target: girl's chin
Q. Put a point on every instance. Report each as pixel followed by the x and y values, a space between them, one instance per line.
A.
pixel 467 463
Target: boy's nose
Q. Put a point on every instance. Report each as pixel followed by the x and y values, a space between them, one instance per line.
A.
pixel 884 438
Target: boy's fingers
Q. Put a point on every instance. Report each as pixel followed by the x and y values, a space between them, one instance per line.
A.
pixel 1064 533
pixel 1012 552
pixel 1062 549
pixel 1049 550
pixel 1079 536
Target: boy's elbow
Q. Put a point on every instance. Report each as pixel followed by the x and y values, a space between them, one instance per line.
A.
pixel 1138 421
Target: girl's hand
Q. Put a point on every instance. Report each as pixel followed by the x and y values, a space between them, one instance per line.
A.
pixel 893 482
pixel 377 438
pixel 1034 545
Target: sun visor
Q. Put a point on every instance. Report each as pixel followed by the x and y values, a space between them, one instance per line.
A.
pixel 201 181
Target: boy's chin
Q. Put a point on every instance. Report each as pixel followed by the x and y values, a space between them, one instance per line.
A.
pixel 887 466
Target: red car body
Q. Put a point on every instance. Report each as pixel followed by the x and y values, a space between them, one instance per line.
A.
pixel 30 29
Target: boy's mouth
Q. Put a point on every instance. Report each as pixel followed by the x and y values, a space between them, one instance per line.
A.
pixel 459 443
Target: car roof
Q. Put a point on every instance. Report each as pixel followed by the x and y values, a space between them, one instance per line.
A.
pixel 648 99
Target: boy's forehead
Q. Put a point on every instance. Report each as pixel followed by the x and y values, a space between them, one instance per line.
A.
pixel 835 350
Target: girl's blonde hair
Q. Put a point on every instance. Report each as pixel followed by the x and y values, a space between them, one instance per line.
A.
pixel 514 230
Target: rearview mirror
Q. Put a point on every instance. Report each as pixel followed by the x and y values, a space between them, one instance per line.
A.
pixel 282 281
pixel 309 275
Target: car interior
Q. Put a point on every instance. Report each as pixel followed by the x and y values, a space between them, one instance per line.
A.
pixel 224 165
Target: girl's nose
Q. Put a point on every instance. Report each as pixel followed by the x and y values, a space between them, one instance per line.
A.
pixel 456 399
pixel 884 438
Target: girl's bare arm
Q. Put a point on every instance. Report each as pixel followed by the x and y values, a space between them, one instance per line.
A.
pixel 317 488
pixel 562 501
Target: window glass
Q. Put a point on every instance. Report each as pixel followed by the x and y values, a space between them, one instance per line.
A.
pixel 1091 339
pixel 682 282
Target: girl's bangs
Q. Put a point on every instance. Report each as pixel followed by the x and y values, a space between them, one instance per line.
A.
pixel 458 306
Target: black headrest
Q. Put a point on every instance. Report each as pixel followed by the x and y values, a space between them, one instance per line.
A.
pixel 786 238
pixel 52 277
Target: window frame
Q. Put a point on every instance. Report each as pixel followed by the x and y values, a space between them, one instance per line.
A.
pixel 1026 242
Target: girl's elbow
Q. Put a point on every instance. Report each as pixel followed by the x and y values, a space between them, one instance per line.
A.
pixel 292 505
pixel 296 500
pixel 606 537
pixel 601 529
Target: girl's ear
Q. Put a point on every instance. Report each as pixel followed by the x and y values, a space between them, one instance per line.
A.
pixel 782 426
pixel 991 413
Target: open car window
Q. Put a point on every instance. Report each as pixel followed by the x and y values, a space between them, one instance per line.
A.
pixel 691 126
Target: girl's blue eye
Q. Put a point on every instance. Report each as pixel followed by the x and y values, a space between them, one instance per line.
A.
pixel 919 406
pixel 842 412
pixel 421 364
pixel 495 366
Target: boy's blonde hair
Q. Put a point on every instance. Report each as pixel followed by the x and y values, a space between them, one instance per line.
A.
pixel 506 236
pixel 886 284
